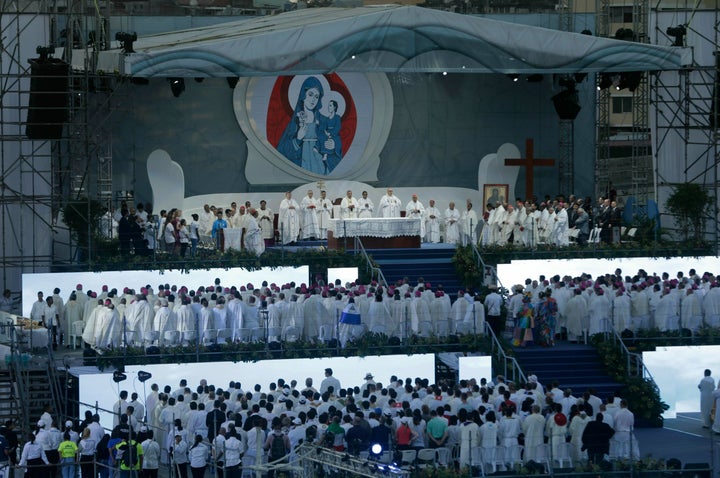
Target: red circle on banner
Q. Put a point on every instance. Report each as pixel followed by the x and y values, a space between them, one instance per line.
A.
pixel 280 111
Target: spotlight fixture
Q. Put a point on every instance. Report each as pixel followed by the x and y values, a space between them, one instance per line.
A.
pixel 514 77
pixel 567 82
pixel 630 80
pixel 534 78
pixel 177 86
pixel 567 104
pixel 376 449
pixel 606 81
pixel 232 81
pixel 678 33
pixel 625 34
pixel 126 41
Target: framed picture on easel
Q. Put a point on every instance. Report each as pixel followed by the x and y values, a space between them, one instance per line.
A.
pixel 493 193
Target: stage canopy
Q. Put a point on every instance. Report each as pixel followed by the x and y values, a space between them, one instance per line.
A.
pixel 390 39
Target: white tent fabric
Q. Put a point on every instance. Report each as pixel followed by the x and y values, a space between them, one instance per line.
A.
pixel 388 39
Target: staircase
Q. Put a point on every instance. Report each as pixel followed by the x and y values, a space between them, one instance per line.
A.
pixel 574 366
pixel 432 264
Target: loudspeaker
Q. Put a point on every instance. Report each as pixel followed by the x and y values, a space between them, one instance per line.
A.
pixel 48 105
pixel 567 104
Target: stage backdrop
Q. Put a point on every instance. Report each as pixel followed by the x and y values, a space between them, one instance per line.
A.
pixel 409 130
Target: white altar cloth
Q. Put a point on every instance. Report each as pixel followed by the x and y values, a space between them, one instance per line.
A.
pixel 232 238
pixel 375 227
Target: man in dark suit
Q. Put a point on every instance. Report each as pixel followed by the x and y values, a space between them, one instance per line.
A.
pixel 214 419
pixel 596 439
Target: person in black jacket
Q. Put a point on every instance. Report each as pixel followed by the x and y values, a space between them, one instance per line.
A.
pixel 596 439
pixel 214 419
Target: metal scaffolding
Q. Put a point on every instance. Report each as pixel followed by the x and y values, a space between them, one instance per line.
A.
pixel 686 115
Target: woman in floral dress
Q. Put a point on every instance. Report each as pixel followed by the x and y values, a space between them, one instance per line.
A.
pixel 546 319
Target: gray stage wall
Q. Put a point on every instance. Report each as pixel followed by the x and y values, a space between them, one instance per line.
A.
pixel 442 127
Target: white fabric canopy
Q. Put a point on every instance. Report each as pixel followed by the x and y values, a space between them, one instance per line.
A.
pixel 387 39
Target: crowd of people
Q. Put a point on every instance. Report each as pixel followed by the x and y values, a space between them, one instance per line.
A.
pixel 193 427
pixel 219 313
pixel 537 312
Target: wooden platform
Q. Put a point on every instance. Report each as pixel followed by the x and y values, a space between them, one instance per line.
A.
pixel 398 242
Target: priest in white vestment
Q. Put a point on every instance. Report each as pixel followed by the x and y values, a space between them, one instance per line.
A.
pixel 621 311
pixel 519 232
pixel 186 322
pixel 348 206
pixel 390 204
pixel 577 316
pixel 265 220
pixel 324 212
pixel 452 219
pixel 432 222
pixel 496 223
pixel 560 231
pixel 416 210
pixel 254 241
pixel 706 387
pixel 366 207
pixel 310 226
pixel 508 226
pixel 289 219
pixel 469 221
pixel 691 311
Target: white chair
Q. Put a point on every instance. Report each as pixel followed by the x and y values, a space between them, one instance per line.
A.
pixel 443 456
pixel 291 333
pixel 426 457
pixel 513 455
pixel 223 335
pixel 476 460
pixel 442 327
pixel 274 333
pixel 563 455
pixel 407 458
pixel 426 328
pixel 170 338
pixel 76 332
pixel 542 456
pixel 150 337
pixel 210 336
pixel 188 337
pixel 493 456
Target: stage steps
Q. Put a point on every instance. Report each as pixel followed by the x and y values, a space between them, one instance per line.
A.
pixel 574 366
pixel 432 264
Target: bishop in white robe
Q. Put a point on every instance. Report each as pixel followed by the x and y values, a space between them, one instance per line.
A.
pixel 310 226
pixel 390 205
pixel 452 218
pixel 289 219
pixel 432 222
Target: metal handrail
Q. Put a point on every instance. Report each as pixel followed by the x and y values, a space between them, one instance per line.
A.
pixel 484 267
pixel 640 369
pixel 518 376
pixel 373 270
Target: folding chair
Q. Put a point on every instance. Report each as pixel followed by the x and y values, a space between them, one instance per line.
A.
pixel 407 458
pixel 563 457
pixel 426 457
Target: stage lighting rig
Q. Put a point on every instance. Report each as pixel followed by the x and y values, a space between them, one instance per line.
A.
pixel 45 52
pixel 678 33
pixel 126 41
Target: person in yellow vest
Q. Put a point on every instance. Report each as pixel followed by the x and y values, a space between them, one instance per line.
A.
pixel 129 457
pixel 68 453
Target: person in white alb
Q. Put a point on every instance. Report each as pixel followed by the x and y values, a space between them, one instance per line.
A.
pixel 416 210
pixel 469 221
pixel 366 206
pixel 289 219
pixel 265 221
pixel 390 205
pixel 452 218
pixel 432 222
pixel 324 212
pixel 310 226
pixel 348 206
pixel 706 387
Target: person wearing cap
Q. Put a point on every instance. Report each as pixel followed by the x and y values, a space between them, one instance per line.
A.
pixel 67 450
pixel 254 241
pixel 390 204
pixel 415 210
pixel 368 381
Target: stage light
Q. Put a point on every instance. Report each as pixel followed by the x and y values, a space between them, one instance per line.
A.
pixel 444 73
pixel 177 86
pixel 678 33
pixel 606 81
pixel 45 52
pixel 118 376
pixel 144 376
pixel 567 82
pixel 514 78
pixel 126 41
pixel 232 81
pixel 630 80
pixel 376 449
pixel 625 34
pixel 535 78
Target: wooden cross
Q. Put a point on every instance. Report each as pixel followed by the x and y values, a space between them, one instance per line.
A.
pixel 529 162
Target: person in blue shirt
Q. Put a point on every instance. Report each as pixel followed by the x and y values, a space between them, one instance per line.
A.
pixel 219 224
